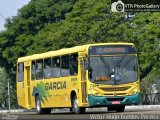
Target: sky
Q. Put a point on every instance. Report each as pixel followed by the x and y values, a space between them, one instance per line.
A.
pixel 8 8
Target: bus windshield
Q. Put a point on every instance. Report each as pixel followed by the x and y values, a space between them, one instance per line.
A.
pixel 113 70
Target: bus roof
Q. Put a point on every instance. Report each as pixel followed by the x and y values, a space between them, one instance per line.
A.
pixel 65 51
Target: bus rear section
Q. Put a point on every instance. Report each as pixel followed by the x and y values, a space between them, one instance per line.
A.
pixel 23 84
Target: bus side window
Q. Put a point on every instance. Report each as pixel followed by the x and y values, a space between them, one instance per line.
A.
pixel 33 70
pixel 39 69
pixel 56 67
pixel 65 65
pixel 47 68
pixel 74 64
pixel 20 72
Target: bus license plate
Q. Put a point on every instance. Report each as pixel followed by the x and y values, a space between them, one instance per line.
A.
pixel 115 102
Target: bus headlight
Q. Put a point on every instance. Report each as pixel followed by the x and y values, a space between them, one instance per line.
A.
pixel 134 91
pixel 96 93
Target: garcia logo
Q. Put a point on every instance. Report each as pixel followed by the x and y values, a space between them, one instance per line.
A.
pixel 55 85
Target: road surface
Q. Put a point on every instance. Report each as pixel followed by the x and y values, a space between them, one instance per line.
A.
pixel 90 114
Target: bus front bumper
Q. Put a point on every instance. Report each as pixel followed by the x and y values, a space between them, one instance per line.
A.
pixel 98 101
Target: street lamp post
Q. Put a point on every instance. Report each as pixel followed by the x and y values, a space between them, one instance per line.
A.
pixel 8 78
pixel 9 103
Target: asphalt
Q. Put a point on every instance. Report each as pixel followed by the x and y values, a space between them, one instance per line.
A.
pixel 138 107
pixel 88 115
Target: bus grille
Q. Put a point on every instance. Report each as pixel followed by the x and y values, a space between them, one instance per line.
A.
pixel 111 89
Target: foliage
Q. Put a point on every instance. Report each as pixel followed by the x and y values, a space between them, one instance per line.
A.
pixel 4 91
pixel 3 88
pixel 143 30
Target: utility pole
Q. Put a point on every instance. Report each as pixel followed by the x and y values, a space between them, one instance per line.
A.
pixel 9 103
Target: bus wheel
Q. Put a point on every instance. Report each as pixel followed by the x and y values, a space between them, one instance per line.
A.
pixel 70 109
pixel 83 109
pixel 47 110
pixel 39 109
pixel 75 108
pixel 120 108
pixel 111 108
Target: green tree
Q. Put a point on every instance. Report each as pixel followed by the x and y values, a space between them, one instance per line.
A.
pixel 3 88
pixel 4 91
pixel 143 30
pixel 21 29
pixel 92 21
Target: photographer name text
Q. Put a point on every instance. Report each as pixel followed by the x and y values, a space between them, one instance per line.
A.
pixel 125 116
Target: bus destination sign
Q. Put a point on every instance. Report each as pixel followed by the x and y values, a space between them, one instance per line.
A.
pixel 112 49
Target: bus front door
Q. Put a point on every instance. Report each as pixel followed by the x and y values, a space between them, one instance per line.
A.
pixel 83 81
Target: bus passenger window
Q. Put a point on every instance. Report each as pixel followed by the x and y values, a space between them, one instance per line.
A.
pixel 65 65
pixel 33 70
pixel 39 69
pixel 20 72
pixel 74 64
pixel 56 67
pixel 47 68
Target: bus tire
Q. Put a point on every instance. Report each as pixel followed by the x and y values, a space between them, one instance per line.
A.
pixel 120 108
pixel 82 109
pixel 47 110
pixel 39 109
pixel 70 109
pixel 75 108
pixel 111 108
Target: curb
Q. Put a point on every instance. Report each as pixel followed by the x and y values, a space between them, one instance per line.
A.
pixel 144 107
pixel 12 111
pixel 138 107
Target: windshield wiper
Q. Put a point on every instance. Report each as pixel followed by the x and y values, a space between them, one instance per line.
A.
pixel 118 69
pixel 107 66
pixel 119 62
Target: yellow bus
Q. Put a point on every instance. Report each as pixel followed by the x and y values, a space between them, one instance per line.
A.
pixel 93 75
